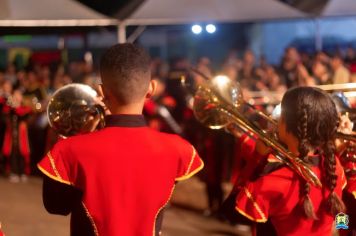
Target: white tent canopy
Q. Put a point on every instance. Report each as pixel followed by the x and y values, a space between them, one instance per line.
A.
pixel 340 8
pixel 49 13
pixel 155 12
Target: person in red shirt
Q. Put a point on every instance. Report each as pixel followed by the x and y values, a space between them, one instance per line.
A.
pixel 117 181
pixel 275 193
pixel 16 147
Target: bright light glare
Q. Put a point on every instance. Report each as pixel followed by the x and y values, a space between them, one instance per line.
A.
pixel 221 80
pixel 210 28
pixel 276 113
pixel 197 29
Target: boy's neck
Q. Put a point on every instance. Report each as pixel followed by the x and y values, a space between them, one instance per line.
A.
pixel 131 109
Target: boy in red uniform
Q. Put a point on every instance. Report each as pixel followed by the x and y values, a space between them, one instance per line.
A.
pixel 307 127
pixel 116 181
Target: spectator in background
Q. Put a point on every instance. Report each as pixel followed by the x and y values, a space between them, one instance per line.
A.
pixel 304 78
pixel 34 96
pixel 306 60
pixel 321 72
pixel 263 62
pixel 350 57
pixel 231 71
pixel 204 66
pixel 174 88
pixel 16 144
pixel 340 73
pixel 274 80
pixel 322 57
pixel 232 66
pixel 247 75
pixel 21 80
pixel 6 90
pixel 289 67
pixel 10 74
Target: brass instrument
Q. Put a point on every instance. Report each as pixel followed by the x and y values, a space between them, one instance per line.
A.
pixel 343 106
pixel 338 87
pixel 218 103
pixel 347 137
pixel 71 109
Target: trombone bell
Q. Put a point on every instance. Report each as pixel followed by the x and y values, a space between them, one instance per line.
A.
pixel 206 103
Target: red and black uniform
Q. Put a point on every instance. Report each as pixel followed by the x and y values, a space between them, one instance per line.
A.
pixel 117 180
pixel 16 144
pixel 272 195
pixel 244 148
pixel 275 196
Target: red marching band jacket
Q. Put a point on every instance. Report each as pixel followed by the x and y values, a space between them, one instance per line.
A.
pixel 348 161
pixel 275 197
pixel 127 175
pixel 22 132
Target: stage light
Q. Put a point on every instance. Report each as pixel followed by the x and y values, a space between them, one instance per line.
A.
pixel 197 29
pixel 210 28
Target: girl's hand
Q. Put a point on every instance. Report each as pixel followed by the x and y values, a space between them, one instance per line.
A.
pixel 345 125
pixel 261 148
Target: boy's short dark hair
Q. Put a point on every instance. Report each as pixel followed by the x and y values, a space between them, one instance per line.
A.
pixel 125 71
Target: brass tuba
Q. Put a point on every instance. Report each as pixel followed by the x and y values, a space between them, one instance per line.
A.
pixel 218 103
pixel 71 108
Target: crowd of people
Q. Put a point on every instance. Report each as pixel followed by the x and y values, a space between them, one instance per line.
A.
pixel 25 93
pixel 26 135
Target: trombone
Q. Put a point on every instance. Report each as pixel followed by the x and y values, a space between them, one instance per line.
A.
pixel 341 94
pixel 218 102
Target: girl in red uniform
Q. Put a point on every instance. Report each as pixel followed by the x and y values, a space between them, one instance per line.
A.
pixel 307 127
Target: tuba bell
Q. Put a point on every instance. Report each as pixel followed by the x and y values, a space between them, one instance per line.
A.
pixel 71 109
pixel 218 103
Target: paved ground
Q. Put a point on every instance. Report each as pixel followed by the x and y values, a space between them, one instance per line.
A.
pixel 22 214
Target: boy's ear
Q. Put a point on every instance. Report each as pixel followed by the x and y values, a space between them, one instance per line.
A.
pixel 151 88
pixel 106 94
pixel 102 91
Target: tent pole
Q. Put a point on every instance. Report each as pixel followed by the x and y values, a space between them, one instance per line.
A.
pixel 138 31
pixel 121 32
pixel 318 36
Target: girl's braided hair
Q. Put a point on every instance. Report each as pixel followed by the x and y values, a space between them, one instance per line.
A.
pixel 310 115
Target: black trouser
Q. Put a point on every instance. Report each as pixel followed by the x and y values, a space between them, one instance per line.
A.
pixel 17 163
pixel 218 165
